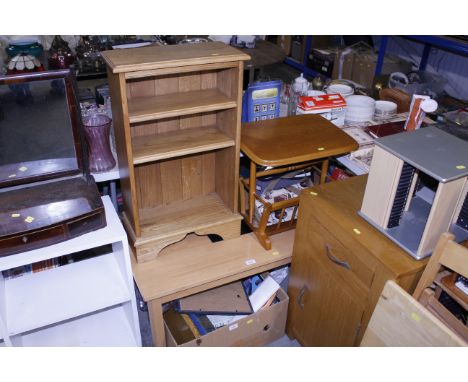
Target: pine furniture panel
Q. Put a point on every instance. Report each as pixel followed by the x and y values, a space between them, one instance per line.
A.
pixel 179 119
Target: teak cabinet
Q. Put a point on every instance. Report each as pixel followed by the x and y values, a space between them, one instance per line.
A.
pixel 177 112
pixel 339 267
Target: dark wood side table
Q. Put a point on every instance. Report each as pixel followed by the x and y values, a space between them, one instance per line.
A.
pixel 281 145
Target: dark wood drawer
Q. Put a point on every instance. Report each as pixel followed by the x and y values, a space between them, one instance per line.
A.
pixel 344 262
pixel 28 241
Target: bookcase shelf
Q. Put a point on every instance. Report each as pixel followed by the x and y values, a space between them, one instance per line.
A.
pixel 178 143
pixel 176 112
pixel 143 109
pixel 37 295
pixel 86 303
pixel 109 327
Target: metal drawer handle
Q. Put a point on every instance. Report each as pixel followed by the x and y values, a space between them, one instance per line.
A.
pixel 330 255
pixel 299 298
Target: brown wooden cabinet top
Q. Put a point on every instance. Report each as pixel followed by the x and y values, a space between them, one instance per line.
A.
pixel 289 140
pixel 338 204
pixel 158 57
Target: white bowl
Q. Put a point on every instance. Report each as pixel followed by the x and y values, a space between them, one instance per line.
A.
pixel 360 101
pixel 385 107
pixel 313 93
pixel 344 90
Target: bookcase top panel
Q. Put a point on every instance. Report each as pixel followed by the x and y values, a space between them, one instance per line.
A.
pixel 431 150
pixel 157 57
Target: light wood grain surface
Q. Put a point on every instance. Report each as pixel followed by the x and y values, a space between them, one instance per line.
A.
pixel 291 140
pixel 176 104
pixel 203 266
pixel 399 320
pixel 184 217
pixel 178 143
pixel 157 57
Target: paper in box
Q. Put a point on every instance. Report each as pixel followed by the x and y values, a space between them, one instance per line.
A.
pixel 330 106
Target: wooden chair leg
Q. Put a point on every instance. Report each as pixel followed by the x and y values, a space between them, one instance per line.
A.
pixel 260 231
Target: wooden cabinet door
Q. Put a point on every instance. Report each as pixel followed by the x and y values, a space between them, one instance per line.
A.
pixel 327 298
pixel 324 312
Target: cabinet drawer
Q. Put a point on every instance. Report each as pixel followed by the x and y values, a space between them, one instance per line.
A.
pixel 28 241
pixel 330 252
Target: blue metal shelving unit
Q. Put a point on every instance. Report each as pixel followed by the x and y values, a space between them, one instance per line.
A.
pixel 442 42
pixel 302 65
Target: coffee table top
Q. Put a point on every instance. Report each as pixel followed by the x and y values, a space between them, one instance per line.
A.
pixel 296 139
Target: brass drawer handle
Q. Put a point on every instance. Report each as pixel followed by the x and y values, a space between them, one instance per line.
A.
pixel 330 255
pixel 299 298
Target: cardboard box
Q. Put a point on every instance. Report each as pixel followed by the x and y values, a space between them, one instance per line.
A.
pixel 364 67
pixel 284 43
pixel 326 61
pixel 257 329
pixel 330 106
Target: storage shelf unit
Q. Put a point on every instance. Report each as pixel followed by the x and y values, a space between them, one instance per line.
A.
pixel 65 306
pixel 302 66
pixel 177 116
pixel 443 42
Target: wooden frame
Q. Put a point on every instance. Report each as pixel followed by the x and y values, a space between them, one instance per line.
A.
pixel 282 145
pixel 75 120
pixel 177 127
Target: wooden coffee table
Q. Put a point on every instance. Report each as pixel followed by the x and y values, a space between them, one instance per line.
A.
pixel 282 145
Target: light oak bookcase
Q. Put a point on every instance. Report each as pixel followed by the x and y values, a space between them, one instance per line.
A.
pixel 177 112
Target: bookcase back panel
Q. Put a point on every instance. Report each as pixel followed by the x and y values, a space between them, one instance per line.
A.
pixel 172 124
pixel 172 83
pixel 168 181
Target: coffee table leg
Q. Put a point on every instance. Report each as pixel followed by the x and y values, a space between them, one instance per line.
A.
pixel 323 175
pixel 157 322
pixel 252 189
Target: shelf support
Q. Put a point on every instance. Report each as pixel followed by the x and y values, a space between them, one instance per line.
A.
pixel 381 56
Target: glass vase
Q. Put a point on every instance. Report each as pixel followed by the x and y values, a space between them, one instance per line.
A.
pixel 97 129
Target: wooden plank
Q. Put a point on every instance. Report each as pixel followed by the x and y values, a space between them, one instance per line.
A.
pixel 184 69
pixel 176 104
pixel 158 57
pixel 399 320
pixel 455 257
pixel 171 181
pixel 157 322
pixel 122 133
pixel 149 185
pixel 183 217
pixel 441 215
pixel 178 143
pixel 192 270
pixel 381 185
pixel 208 176
pixel 192 177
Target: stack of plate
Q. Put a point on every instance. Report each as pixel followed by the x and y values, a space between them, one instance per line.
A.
pixel 359 109
pixel 385 109
pixel 344 90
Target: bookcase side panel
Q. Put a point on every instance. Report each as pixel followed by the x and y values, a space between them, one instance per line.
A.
pixel 118 90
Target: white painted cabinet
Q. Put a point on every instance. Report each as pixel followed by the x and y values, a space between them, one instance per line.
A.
pixel 86 303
